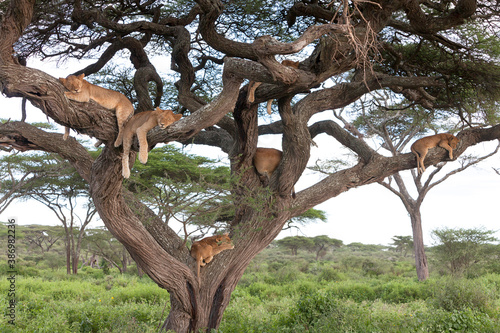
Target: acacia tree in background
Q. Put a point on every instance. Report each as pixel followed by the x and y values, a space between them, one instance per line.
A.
pixel 41 237
pixel 395 127
pixel 100 243
pixel 214 46
pixel 55 184
pixel 18 174
pixel 461 249
pixel 323 243
pixel 294 243
pixel 402 244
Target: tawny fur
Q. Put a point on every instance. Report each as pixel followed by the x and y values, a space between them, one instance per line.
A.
pixel 252 85
pixel 203 251
pixel 140 124
pixel 82 91
pixel 422 146
pixel 266 160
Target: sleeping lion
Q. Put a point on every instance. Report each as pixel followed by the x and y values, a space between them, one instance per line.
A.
pixel 204 250
pixel 140 124
pixel 421 147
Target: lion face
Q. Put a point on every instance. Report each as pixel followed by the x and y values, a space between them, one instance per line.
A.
pixel 73 83
pixel 221 239
pixel 453 142
pixel 167 117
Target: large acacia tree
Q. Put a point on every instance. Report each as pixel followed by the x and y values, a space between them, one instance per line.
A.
pixel 431 53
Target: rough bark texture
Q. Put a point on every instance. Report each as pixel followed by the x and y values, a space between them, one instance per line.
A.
pixel 152 244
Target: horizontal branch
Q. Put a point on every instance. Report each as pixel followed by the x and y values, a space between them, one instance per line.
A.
pixel 380 167
pixel 24 137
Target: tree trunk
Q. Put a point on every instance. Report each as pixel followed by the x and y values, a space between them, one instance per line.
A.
pixel 418 246
pixel 124 260
pixel 68 252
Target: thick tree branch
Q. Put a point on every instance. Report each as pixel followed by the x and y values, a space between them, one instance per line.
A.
pixel 380 167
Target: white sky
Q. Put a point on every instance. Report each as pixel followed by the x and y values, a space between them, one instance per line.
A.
pixel 369 214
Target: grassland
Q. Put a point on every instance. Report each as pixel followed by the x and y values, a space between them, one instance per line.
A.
pixel 348 291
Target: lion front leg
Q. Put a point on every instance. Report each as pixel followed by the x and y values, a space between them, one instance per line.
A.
pixel 125 157
pixel 445 145
pixel 208 259
pixel 79 97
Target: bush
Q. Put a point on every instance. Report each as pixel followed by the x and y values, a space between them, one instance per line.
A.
pixel 462 294
pixel 402 291
pixel 329 274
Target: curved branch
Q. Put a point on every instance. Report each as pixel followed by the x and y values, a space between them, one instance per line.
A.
pixel 13 22
pixel 424 23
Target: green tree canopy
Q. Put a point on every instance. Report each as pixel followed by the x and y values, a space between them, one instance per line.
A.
pixel 460 249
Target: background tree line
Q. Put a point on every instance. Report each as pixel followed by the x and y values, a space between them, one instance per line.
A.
pixel 457 252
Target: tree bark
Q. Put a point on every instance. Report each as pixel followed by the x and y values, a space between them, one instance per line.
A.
pixel 418 246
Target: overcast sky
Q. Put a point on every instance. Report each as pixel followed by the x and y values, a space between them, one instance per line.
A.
pixel 369 214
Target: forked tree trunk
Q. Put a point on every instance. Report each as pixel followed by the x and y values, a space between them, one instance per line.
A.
pixel 162 255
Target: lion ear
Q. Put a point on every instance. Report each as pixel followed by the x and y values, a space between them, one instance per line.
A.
pixel 157 108
pixel 177 116
pixel 226 234
pixel 62 80
pixel 81 76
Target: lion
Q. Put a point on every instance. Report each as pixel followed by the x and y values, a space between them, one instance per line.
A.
pixel 421 146
pixel 81 90
pixel 252 85
pixel 140 124
pixel 204 250
pixel 266 160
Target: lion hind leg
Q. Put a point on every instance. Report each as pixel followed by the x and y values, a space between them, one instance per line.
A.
pixel 252 86
pixel 143 145
pixel 125 167
pixel 66 133
pixel 420 155
pixel 123 114
pixel 420 165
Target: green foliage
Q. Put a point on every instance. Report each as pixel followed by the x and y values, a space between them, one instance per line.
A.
pixel 279 292
pixel 402 244
pixel 461 249
pixel 296 242
pixel 461 294
pixel 85 305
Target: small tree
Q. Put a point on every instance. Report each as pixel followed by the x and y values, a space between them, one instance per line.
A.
pixel 322 243
pixel 461 249
pixel 100 242
pixel 402 244
pixel 42 237
pixel 296 242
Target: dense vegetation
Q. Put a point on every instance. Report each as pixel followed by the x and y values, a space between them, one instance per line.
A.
pixel 352 288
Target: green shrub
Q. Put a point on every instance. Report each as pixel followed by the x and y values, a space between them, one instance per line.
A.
pixel 454 294
pixel 329 274
pixel 402 291
pixel 356 291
